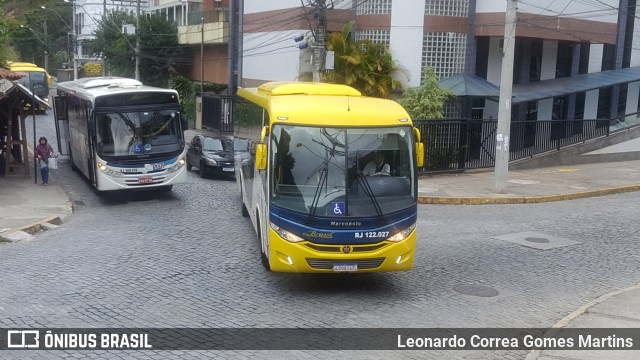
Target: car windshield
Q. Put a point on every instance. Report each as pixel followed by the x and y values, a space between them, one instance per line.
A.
pixel 327 171
pixel 217 145
pixel 240 145
pixel 136 133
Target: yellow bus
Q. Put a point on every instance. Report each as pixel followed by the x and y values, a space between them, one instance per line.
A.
pixel 36 79
pixel 332 184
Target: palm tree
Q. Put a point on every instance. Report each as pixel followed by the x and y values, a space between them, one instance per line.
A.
pixel 364 65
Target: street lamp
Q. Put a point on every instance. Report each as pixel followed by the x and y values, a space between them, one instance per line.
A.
pixel 75 41
pixel 44 42
pixel 59 16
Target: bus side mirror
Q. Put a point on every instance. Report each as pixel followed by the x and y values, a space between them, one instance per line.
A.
pixel 183 122
pixel 261 156
pixel 420 154
pixel 264 133
pixel 91 124
pixel 416 134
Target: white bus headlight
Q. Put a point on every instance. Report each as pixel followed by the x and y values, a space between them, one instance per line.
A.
pixel 402 234
pixel 102 167
pixel 181 162
pixel 286 235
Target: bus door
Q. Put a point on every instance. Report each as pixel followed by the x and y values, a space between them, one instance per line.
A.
pixel 61 115
pixel 91 136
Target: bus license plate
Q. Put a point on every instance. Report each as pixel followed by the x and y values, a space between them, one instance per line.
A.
pixel 145 180
pixel 345 267
pixel 227 169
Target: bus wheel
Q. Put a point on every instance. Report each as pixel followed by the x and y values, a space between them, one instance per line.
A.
pixel 263 257
pixel 244 211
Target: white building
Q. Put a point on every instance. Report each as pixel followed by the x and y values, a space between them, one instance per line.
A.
pixel 87 15
pixel 554 39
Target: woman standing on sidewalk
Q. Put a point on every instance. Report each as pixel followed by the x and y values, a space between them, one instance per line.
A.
pixel 43 153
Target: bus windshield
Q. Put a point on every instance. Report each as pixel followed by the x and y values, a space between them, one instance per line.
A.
pixel 337 172
pixel 137 133
pixel 36 81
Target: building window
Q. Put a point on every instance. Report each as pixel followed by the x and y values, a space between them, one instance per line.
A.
pixel 373 7
pixel 447 8
pixel 375 36
pixel 444 52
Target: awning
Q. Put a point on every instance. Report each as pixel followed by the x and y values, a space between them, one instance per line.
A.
pixel 470 85
pixel 546 89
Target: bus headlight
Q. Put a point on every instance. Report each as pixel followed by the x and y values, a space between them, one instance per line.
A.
pixel 181 162
pixel 290 237
pixel 102 167
pixel 402 234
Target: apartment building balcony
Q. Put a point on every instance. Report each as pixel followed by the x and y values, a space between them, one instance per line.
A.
pixel 211 24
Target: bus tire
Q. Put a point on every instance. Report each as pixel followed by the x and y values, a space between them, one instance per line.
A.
pixel 244 211
pixel 263 257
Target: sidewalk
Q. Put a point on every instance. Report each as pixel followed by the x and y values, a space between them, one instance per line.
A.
pixel 534 185
pixel 620 309
pixel 28 207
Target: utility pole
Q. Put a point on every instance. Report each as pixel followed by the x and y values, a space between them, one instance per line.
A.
pixel 504 112
pixel 137 39
pixel 201 55
pixel 46 46
pixel 232 50
pixel 75 43
pixel 318 47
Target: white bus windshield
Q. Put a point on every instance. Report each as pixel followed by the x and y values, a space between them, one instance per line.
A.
pixel 342 172
pixel 137 133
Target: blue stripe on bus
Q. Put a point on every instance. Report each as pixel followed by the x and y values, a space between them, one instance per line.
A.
pixel 129 165
pixel 341 235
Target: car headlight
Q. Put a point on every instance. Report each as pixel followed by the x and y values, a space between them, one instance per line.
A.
pixel 402 234
pixel 211 162
pixel 286 235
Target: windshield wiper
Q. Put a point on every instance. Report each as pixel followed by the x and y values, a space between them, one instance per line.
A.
pixel 324 169
pixel 364 184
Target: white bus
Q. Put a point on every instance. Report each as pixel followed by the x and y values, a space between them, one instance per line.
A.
pixel 122 134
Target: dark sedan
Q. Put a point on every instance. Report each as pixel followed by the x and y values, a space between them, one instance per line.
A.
pixel 211 155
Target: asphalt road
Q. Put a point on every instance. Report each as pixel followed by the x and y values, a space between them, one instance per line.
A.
pixel 188 259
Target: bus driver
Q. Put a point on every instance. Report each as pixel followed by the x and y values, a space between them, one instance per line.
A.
pixel 377 166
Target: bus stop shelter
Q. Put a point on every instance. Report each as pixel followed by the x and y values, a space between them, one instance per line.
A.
pixel 15 106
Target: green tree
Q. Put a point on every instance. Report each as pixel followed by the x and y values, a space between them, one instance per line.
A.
pixel 364 65
pixel 159 47
pixel 4 36
pixel 426 101
pixel 30 45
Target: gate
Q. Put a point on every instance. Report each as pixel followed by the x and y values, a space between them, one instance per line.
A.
pixel 217 112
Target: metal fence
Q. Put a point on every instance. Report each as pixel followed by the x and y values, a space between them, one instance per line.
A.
pixel 459 144
pixel 217 112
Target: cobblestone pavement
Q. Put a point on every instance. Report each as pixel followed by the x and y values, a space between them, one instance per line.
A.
pixel 188 259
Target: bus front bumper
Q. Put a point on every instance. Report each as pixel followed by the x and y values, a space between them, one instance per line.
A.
pixel 307 257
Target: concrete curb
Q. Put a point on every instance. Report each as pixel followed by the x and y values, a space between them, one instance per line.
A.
pixel 444 200
pixel 32 228
pixel 535 354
